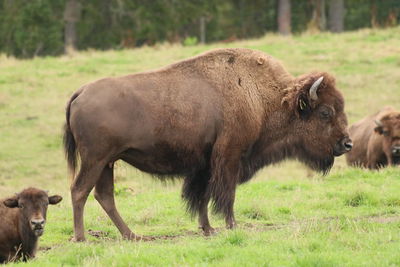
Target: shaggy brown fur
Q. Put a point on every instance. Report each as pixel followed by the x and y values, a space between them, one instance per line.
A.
pixel 22 222
pixel 214 119
pixel 376 146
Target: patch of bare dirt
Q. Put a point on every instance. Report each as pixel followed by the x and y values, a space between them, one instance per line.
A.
pixel 44 248
pixel 98 234
pixel 380 219
pixel 261 227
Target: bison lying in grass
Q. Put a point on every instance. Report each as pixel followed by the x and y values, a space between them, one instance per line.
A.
pixel 376 140
pixel 22 223
pixel 214 119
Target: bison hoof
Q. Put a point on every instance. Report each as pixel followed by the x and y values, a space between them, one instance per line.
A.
pixel 208 231
pixel 77 239
pixel 231 225
pixel 134 237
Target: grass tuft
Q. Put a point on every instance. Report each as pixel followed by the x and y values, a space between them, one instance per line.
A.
pixel 236 238
pixel 392 202
pixel 360 198
pixel 254 212
pixel 284 210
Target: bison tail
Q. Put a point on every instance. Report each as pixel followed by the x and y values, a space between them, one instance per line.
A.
pixel 70 149
pixel 71 153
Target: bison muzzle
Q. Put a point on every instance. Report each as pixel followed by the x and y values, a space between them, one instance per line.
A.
pixel 214 119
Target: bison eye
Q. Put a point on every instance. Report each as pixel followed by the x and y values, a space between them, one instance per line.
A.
pixel 325 114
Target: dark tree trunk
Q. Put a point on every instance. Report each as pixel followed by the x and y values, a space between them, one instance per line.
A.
pixel 71 16
pixel 374 15
pixel 284 17
pixel 318 20
pixel 202 30
pixel 322 15
pixel 336 15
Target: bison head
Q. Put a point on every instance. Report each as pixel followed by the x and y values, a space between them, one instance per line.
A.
pixel 319 122
pixel 33 204
pixel 389 127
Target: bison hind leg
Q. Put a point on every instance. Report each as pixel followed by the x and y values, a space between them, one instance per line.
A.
pixel 80 190
pixel 104 194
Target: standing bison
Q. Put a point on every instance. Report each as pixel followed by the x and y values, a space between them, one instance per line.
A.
pixel 214 119
pixel 376 140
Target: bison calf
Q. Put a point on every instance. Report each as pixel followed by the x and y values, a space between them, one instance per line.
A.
pixel 214 119
pixel 376 140
pixel 23 218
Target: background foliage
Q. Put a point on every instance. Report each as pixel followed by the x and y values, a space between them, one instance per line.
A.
pixel 36 27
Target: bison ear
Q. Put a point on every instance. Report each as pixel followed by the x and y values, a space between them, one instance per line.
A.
pixel 54 199
pixel 11 202
pixel 380 129
pixel 303 106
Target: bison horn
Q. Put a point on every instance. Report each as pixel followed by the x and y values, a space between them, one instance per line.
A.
pixel 314 88
pixel 378 123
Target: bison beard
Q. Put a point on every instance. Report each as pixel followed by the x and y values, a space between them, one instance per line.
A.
pixel 323 165
pixel 214 119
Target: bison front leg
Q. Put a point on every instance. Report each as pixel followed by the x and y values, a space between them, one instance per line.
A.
pixel 230 216
pixel 225 174
pixel 204 223
pixel 372 161
pixel 389 158
pixel 195 192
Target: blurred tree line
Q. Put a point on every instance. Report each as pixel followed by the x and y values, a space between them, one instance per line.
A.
pixel 51 27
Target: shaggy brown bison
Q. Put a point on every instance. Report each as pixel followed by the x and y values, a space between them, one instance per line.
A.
pixel 376 140
pixel 23 217
pixel 214 119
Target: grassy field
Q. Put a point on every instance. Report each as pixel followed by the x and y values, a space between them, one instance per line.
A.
pixel 286 216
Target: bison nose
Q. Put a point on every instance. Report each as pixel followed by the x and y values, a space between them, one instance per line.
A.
pixel 343 146
pixel 37 223
pixel 396 150
pixel 347 144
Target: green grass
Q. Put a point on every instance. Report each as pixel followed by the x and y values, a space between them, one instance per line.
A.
pixel 287 216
